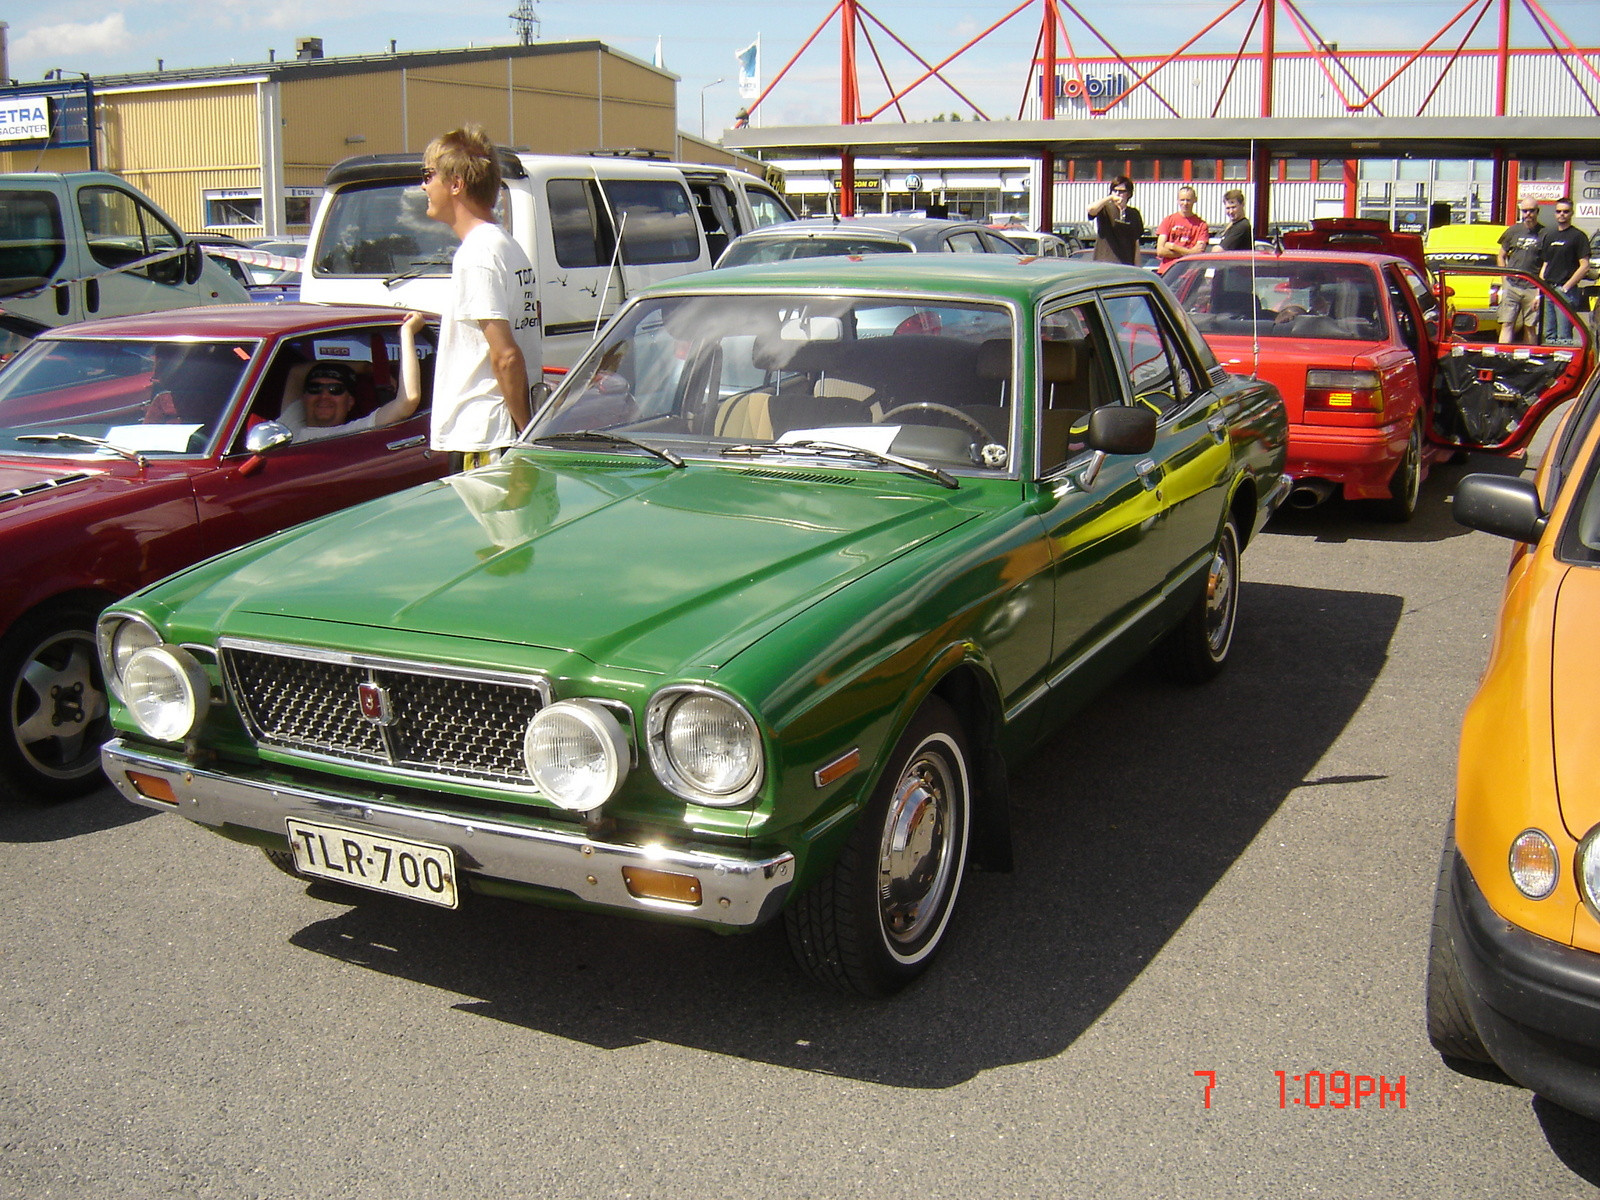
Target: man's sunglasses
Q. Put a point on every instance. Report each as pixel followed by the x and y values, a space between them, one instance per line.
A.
pixel 333 389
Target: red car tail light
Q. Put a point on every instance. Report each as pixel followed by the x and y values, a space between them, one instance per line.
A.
pixel 1344 391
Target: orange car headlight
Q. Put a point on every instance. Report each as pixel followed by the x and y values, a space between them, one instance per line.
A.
pixel 1534 864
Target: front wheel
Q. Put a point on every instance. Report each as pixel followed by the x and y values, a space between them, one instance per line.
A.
pixel 56 712
pixel 875 921
pixel 1197 649
pixel 1450 1024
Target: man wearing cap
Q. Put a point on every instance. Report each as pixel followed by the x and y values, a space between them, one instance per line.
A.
pixel 1519 299
pixel 323 407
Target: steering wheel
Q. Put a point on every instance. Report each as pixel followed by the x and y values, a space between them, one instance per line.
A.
pixel 966 419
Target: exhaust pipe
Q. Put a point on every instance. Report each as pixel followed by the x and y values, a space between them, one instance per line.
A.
pixel 1308 493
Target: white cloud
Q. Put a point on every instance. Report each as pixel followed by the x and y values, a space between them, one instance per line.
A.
pixel 109 35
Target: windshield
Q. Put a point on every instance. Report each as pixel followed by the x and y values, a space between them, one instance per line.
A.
pixel 62 397
pixel 930 381
pixel 1279 297
pixel 778 249
pixel 384 229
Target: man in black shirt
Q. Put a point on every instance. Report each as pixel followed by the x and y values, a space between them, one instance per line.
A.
pixel 1563 262
pixel 1237 236
pixel 1118 225
pixel 1519 300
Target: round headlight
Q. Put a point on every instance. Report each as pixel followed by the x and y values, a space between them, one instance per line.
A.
pixel 1534 864
pixel 120 639
pixel 577 754
pixel 711 747
pixel 1589 870
pixel 165 690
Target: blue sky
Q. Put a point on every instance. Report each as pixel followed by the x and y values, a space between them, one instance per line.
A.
pixel 699 40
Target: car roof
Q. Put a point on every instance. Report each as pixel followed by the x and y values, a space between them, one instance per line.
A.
pixel 1003 276
pixel 912 229
pixel 1301 256
pixel 229 321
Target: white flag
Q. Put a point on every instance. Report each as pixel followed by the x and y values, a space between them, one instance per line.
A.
pixel 750 70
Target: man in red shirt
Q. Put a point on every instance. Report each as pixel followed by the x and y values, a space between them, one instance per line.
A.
pixel 1182 233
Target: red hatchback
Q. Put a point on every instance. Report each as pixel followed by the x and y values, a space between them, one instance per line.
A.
pixel 134 446
pixel 1377 383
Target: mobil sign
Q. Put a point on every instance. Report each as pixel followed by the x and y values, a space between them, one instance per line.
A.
pixel 25 119
pixel 1086 88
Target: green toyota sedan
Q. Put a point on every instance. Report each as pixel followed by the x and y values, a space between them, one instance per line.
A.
pixel 750 625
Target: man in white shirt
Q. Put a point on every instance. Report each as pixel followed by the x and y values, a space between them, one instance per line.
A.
pixel 490 348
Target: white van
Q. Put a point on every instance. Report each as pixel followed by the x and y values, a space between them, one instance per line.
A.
pixel 86 244
pixel 373 242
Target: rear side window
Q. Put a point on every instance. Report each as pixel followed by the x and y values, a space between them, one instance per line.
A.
pixel 578 223
pixel 657 221
pixel 766 207
pixel 32 243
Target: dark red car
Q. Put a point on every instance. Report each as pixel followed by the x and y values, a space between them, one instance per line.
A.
pixel 135 446
pixel 1377 380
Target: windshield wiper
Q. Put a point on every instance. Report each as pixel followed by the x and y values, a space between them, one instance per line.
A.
pixel 818 449
pixel 613 439
pixel 417 265
pixel 130 455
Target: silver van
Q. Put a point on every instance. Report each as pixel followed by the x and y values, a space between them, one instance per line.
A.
pixel 597 228
pixel 86 244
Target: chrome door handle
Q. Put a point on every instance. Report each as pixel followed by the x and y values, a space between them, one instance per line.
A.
pixel 407 443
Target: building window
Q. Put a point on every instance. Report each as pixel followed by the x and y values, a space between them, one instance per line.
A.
pixel 1172 168
pixel 297 210
pixel 1542 169
pixel 233 210
pixel 1296 168
pixel 1236 168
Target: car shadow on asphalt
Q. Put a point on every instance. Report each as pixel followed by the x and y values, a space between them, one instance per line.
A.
pixel 1116 846
pixel 1574 1139
pixel 24 821
pixel 1340 521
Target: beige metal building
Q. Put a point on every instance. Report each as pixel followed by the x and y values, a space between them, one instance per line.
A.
pixel 243 149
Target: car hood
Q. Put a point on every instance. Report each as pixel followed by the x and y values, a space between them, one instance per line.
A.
pixel 1575 717
pixel 20 478
pixel 634 566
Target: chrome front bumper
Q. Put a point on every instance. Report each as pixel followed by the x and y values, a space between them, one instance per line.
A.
pixel 734 892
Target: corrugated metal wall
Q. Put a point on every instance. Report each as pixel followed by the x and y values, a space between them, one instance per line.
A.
pixel 175 144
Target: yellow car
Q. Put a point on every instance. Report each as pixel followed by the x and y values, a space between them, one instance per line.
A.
pixel 1514 964
pixel 1469 246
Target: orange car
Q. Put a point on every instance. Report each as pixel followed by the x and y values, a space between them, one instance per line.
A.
pixel 1377 381
pixel 1514 964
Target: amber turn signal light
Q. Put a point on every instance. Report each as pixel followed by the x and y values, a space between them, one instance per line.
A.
pixel 153 787
pixel 646 884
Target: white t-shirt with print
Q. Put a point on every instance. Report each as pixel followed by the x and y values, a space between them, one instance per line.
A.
pixel 490 279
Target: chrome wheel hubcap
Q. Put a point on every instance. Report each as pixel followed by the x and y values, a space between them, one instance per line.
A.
pixel 58 708
pixel 1221 595
pixel 916 858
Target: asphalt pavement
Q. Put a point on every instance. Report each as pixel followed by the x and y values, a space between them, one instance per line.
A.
pixel 1221 895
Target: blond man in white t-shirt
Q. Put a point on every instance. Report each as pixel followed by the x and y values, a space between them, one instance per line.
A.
pixel 490 349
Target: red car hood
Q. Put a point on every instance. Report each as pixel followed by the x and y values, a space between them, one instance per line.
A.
pixel 21 477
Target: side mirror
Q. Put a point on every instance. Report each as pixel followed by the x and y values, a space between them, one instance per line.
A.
pixel 1118 430
pixel 1464 322
pixel 268 435
pixel 194 262
pixel 1504 505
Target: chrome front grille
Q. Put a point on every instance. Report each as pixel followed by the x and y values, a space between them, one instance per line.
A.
pixel 421 719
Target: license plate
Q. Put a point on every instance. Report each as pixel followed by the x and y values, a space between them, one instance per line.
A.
pixel 415 870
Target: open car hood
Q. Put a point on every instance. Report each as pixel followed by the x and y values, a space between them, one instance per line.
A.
pixel 1360 234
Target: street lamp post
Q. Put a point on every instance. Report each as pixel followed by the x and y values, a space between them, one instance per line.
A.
pixel 703 92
